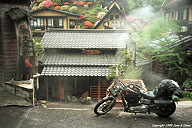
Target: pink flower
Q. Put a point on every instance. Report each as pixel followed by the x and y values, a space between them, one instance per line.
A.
pixel 48 3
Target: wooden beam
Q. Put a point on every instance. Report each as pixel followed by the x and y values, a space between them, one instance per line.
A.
pixel 46 78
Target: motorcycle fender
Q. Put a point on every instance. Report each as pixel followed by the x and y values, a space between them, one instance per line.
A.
pixel 107 98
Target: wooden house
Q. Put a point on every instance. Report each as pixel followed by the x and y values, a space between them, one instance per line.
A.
pixel 114 18
pixel 13 27
pixel 50 18
pixel 76 61
pixel 180 10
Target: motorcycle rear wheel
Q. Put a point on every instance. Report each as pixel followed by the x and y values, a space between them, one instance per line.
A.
pixel 104 106
pixel 166 110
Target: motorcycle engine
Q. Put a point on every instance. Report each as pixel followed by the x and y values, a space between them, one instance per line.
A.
pixel 132 100
pixel 139 109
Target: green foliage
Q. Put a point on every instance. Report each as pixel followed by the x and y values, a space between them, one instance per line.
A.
pixel 135 4
pixel 65 8
pixel 155 29
pixel 59 2
pixel 166 49
pixel 187 83
pixel 38 47
pixel 74 9
pixel 41 5
pixel 98 9
pixel 187 95
pixel 131 71
pixel 39 1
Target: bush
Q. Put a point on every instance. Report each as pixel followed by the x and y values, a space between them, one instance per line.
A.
pixel 41 5
pixel 88 24
pixel 38 47
pixel 187 95
pixel 55 4
pixel 81 3
pixel 187 83
pixel 75 3
pixel 66 3
pixel 73 9
pixel 48 3
pixel 65 8
pixel 57 7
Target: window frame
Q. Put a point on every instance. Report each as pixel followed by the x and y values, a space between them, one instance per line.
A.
pixel 53 19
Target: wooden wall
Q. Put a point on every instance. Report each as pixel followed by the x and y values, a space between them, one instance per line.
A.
pixel 8 44
pixel 1 50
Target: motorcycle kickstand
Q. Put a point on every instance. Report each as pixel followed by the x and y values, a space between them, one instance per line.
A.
pixel 135 116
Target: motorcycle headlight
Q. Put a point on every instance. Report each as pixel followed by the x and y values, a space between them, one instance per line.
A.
pixel 178 93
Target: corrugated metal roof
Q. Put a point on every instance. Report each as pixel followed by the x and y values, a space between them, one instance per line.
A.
pixel 75 71
pixel 83 38
pixel 80 59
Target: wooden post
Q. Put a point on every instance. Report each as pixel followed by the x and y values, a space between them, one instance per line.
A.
pixel 33 92
pixel 88 83
pixel 75 83
pixel 59 88
pixel 46 78
pixel 99 86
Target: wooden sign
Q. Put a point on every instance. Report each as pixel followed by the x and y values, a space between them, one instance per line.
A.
pixel 90 52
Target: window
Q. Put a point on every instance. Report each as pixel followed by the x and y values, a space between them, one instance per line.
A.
pixel 117 17
pixel 111 17
pixel 55 22
pixel 167 15
pixel 185 14
pixel 37 22
pixel 72 24
pixel 114 24
pixel 122 24
pixel 180 15
pixel 172 15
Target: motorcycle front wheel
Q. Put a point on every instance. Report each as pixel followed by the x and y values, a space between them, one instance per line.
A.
pixel 104 106
pixel 166 110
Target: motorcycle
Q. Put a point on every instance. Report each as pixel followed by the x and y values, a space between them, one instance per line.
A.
pixel 160 101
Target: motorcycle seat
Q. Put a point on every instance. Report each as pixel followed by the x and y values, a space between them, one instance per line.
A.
pixel 148 95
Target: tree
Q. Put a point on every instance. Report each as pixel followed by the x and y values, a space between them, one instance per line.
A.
pixel 169 49
pixel 135 4
pixel 155 30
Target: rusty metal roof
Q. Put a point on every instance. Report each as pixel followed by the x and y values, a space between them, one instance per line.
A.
pixel 74 71
pixel 85 38
pixel 72 59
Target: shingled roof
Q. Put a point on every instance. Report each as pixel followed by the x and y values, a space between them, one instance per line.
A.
pixel 83 38
pixel 75 71
pixel 76 59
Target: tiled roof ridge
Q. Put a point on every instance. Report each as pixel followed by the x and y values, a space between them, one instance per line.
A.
pixel 88 30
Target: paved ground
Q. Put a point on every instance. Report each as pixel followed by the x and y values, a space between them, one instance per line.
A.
pixel 71 115
pixel 7 99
